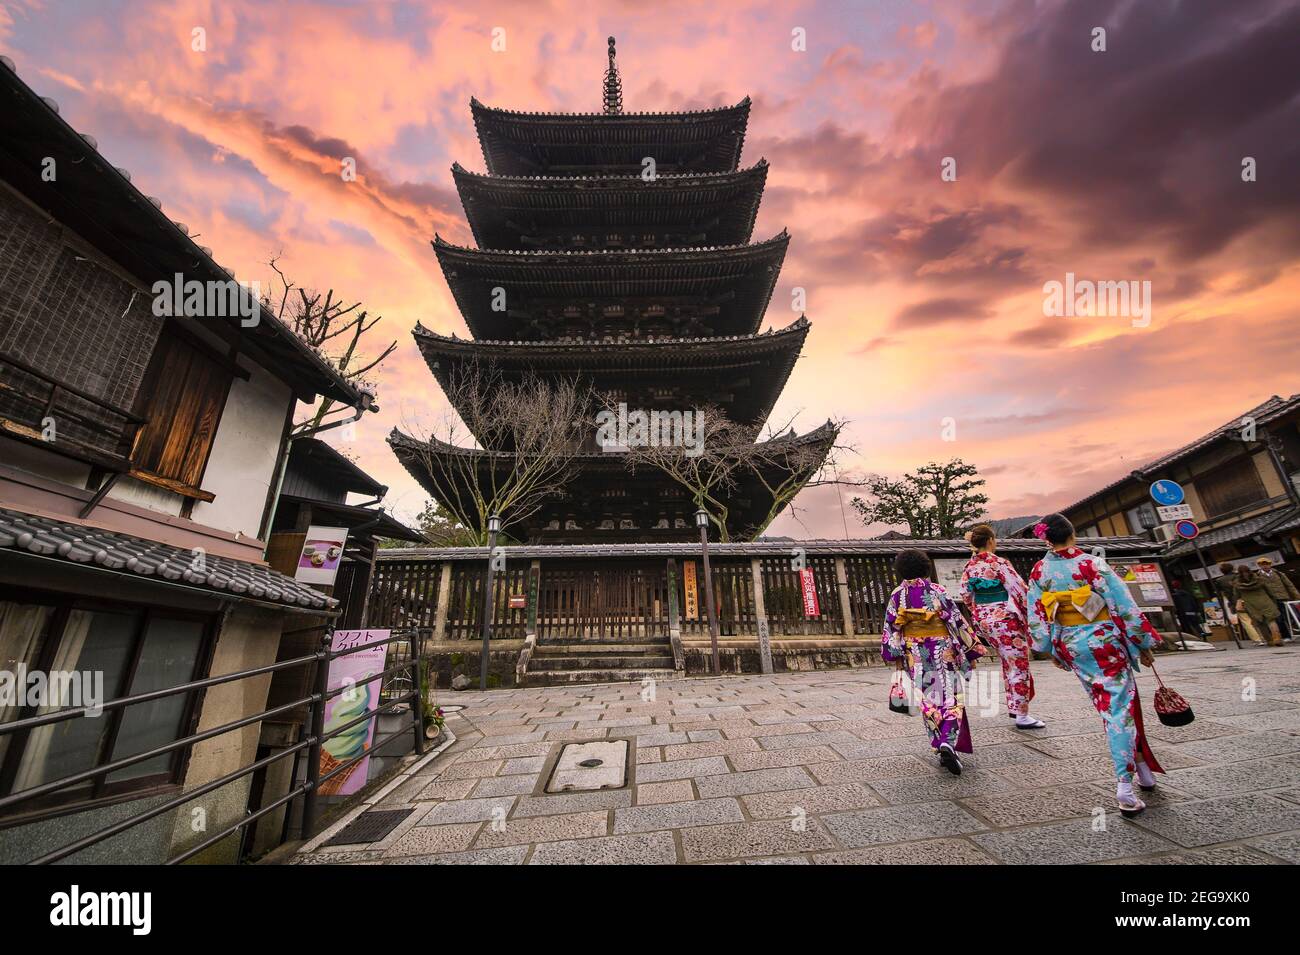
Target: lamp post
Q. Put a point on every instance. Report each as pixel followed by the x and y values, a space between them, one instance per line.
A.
pixel 702 522
pixel 489 604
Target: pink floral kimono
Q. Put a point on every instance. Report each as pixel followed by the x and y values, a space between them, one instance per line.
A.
pixel 995 594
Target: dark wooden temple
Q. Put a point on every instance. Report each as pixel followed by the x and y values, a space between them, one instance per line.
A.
pixel 644 287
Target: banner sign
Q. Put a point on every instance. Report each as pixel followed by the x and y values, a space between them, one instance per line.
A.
pixel 357 699
pixel 810 608
pixel 691 610
pixel 321 552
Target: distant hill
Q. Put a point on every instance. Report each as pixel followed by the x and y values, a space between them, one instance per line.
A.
pixel 1006 526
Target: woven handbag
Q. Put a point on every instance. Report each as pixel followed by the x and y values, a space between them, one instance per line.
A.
pixel 898 695
pixel 1171 708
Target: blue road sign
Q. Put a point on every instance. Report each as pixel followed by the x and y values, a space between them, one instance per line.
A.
pixel 1167 493
pixel 1187 529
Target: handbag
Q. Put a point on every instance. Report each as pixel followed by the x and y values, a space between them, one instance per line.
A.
pixel 1171 708
pixel 898 695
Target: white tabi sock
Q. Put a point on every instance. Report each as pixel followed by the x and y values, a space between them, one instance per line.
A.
pixel 1145 776
pixel 1124 792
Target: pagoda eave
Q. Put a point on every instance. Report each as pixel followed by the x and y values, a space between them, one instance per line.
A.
pixel 522 212
pixel 603 491
pixel 724 290
pixel 521 143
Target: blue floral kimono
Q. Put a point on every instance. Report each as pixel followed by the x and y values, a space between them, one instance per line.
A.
pixel 1102 651
pixel 924 627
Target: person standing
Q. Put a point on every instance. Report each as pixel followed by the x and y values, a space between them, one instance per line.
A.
pixel 1252 598
pixel 925 630
pixel 1187 610
pixel 1281 589
pixel 1083 614
pixel 995 595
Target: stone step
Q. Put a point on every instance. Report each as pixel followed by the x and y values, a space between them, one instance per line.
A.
pixel 598 642
pixel 605 662
pixel 569 677
pixel 599 649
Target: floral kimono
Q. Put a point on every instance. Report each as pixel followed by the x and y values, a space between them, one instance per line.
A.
pixel 924 627
pixel 1102 651
pixel 995 594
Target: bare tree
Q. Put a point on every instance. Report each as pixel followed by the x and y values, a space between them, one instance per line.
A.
pixel 332 329
pixel 510 449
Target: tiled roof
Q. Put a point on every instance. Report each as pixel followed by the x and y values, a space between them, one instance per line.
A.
pixel 110 550
pixel 1262 414
pixel 1269 522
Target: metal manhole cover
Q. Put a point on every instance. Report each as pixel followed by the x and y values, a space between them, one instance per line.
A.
pixel 369 827
pixel 586 767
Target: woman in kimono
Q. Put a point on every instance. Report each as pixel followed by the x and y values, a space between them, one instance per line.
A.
pixel 1083 614
pixel 995 595
pixel 925 630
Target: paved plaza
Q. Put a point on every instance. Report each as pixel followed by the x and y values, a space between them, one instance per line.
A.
pixel 804 768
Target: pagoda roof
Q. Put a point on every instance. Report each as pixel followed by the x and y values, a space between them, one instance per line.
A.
pixel 602 484
pixel 735 280
pixel 718 206
pixel 744 374
pixel 526 143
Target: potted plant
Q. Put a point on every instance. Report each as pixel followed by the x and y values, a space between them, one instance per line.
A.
pixel 434 718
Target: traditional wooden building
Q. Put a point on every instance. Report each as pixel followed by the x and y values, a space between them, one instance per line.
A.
pixel 139 458
pixel 614 250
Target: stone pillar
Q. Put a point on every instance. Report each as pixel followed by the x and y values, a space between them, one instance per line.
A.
pixel 842 583
pixel 760 616
pixel 530 623
pixel 674 619
pixel 444 600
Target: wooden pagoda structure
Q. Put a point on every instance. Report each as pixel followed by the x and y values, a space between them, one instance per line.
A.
pixel 647 287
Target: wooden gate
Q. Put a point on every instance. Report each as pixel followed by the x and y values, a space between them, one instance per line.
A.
pixel 607 601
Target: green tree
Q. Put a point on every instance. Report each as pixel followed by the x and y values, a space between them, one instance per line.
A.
pixel 935 501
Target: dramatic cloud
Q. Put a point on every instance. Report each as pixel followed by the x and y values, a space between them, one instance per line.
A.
pixel 925 291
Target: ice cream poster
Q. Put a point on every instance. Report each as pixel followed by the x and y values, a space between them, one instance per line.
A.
pixel 321 552
pixel 357 699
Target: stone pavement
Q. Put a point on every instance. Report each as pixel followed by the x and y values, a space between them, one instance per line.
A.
pixel 813 768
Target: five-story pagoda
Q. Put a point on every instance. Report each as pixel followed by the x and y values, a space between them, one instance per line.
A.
pixel 643 286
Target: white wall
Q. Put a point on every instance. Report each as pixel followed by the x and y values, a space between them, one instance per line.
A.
pixel 244 454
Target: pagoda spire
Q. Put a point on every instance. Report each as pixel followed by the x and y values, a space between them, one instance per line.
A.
pixel 613 85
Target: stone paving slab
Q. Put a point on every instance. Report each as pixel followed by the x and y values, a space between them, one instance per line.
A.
pixel 900 823
pixel 1070 842
pixel 1202 822
pixel 811 767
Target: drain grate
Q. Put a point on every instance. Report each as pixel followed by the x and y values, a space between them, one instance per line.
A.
pixel 370 827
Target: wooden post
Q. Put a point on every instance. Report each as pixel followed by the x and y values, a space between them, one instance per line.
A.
pixel 760 616
pixel 842 583
pixel 444 600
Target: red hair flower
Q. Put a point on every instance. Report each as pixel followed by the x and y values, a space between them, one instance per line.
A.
pixel 1040 530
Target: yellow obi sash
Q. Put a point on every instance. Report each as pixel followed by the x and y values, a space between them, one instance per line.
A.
pixel 1062 606
pixel 920 624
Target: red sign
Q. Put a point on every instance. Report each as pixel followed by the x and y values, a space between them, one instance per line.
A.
pixel 810 607
pixel 518 601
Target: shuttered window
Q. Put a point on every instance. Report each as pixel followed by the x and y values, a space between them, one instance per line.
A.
pixel 1232 486
pixel 182 399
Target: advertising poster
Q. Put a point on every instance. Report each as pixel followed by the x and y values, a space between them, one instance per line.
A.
pixel 1146 582
pixel 357 699
pixel 321 553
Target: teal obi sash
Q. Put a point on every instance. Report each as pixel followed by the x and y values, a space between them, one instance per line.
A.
pixel 986 591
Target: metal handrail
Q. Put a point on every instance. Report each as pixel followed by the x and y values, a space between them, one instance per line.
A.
pixel 308 790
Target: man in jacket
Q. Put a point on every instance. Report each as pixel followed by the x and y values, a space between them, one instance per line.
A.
pixel 1281 589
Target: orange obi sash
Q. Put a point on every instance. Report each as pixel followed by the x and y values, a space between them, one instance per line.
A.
pixel 920 624
pixel 1062 606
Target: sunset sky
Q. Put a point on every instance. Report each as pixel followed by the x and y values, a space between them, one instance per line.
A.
pixel 925 296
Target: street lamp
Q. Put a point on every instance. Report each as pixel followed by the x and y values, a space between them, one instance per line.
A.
pixel 702 522
pixel 489 605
